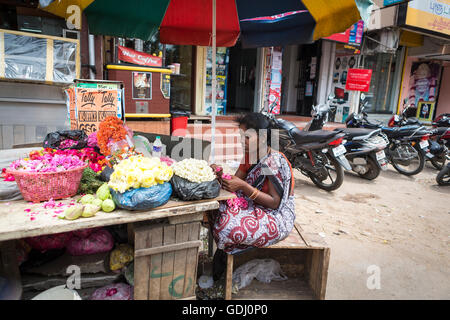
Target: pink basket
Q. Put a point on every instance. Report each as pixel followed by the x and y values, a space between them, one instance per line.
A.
pixel 43 186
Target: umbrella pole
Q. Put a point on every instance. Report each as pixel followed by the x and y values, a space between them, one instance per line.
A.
pixel 213 83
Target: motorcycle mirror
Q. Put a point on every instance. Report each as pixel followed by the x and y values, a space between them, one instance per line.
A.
pixel 331 96
pixel 363 96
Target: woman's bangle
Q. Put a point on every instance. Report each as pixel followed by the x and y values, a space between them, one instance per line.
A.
pixel 256 195
pixel 253 195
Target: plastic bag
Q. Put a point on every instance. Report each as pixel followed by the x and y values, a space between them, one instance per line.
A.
pixel 49 242
pixel 54 139
pixel 128 272
pixel 264 270
pixel 143 198
pixel 116 291
pixel 187 190
pixel 106 174
pixel 121 256
pixel 99 241
pixel 143 146
pixel 84 233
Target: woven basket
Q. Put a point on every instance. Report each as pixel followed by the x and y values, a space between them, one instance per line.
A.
pixel 43 186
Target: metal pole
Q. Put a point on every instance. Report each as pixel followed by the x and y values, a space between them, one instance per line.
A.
pixel 213 83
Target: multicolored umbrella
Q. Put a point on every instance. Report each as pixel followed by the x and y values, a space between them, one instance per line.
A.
pixel 260 23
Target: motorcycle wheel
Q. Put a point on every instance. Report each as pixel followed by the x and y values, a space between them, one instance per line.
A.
pixel 331 164
pixel 373 170
pixel 438 162
pixel 443 177
pixel 419 160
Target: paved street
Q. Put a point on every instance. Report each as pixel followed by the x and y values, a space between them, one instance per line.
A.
pixel 400 224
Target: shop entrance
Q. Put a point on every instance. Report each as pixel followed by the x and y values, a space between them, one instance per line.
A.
pixel 241 82
pixel 308 60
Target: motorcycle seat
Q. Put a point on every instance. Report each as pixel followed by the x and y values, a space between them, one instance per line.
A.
pixel 302 137
pixel 351 133
pixel 404 131
pixel 439 131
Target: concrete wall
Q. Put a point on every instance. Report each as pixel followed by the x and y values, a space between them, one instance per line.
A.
pixel 290 77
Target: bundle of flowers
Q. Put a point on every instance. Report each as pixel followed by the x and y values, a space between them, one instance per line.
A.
pixel 110 130
pixel 92 140
pixel 7 176
pixel 48 162
pixel 194 170
pixel 139 172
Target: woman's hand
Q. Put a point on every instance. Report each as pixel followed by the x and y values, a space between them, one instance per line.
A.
pixel 219 172
pixel 233 184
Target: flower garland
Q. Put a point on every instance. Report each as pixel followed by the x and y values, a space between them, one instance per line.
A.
pixel 110 129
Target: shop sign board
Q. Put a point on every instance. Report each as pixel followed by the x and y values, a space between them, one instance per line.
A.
pixel 433 15
pixel 140 58
pixel 358 79
pixel 88 107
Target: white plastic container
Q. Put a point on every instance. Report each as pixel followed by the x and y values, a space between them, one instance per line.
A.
pixel 157 147
pixel 58 293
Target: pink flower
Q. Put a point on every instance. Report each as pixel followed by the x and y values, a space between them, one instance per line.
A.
pixel 218 169
pixel 27 210
pixel 49 204
pixel 226 176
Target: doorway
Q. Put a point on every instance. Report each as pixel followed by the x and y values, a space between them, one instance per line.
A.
pixel 241 83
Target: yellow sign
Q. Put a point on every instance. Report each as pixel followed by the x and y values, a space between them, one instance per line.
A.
pixel 433 15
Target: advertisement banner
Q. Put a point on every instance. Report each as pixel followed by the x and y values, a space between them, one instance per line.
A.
pixel 358 79
pixel 140 58
pixel 352 35
pixel 433 15
pixel 89 107
pixel 275 82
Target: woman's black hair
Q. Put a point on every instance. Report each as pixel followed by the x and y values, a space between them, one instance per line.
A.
pixel 256 121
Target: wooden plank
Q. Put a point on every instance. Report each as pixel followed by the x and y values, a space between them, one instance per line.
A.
pixel 169 247
pixel 167 262
pixel 186 231
pixel 229 277
pixel 141 266
pixel 321 292
pixel 192 260
pixel 179 265
pixel 154 281
pixel 14 224
pixel 317 271
pixel 293 240
pixel 186 218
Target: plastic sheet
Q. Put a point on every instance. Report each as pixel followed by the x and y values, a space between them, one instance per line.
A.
pixel 187 190
pixel 54 139
pixel 264 270
pixel 26 58
pixel 143 198
pixel 97 242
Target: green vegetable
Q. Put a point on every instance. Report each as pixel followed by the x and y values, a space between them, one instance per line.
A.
pixel 97 202
pixel 90 210
pixel 87 199
pixel 103 192
pixel 74 212
pixel 90 181
pixel 108 205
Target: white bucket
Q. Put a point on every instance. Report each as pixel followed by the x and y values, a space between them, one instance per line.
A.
pixel 58 293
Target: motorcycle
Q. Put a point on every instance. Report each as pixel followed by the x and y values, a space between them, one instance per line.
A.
pixel 408 145
pixel 318 155
pixel 365 147
pixel 438 135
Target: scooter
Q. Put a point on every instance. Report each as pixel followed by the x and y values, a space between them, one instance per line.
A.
pixel 365 147
pixel 408 145
pixel 318 155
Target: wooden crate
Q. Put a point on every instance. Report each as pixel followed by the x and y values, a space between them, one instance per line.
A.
pixel 166 258
pixel 304 258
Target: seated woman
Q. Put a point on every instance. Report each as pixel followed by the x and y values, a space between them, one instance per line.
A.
pixel 264 213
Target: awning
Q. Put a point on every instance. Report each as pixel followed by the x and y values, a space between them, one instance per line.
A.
pixel 261 23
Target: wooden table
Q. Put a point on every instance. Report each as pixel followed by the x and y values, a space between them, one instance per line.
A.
pixel 15 221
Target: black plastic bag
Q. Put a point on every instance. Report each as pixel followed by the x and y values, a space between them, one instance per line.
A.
pixel 187 190
pixel 54 139
pixel 106 174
